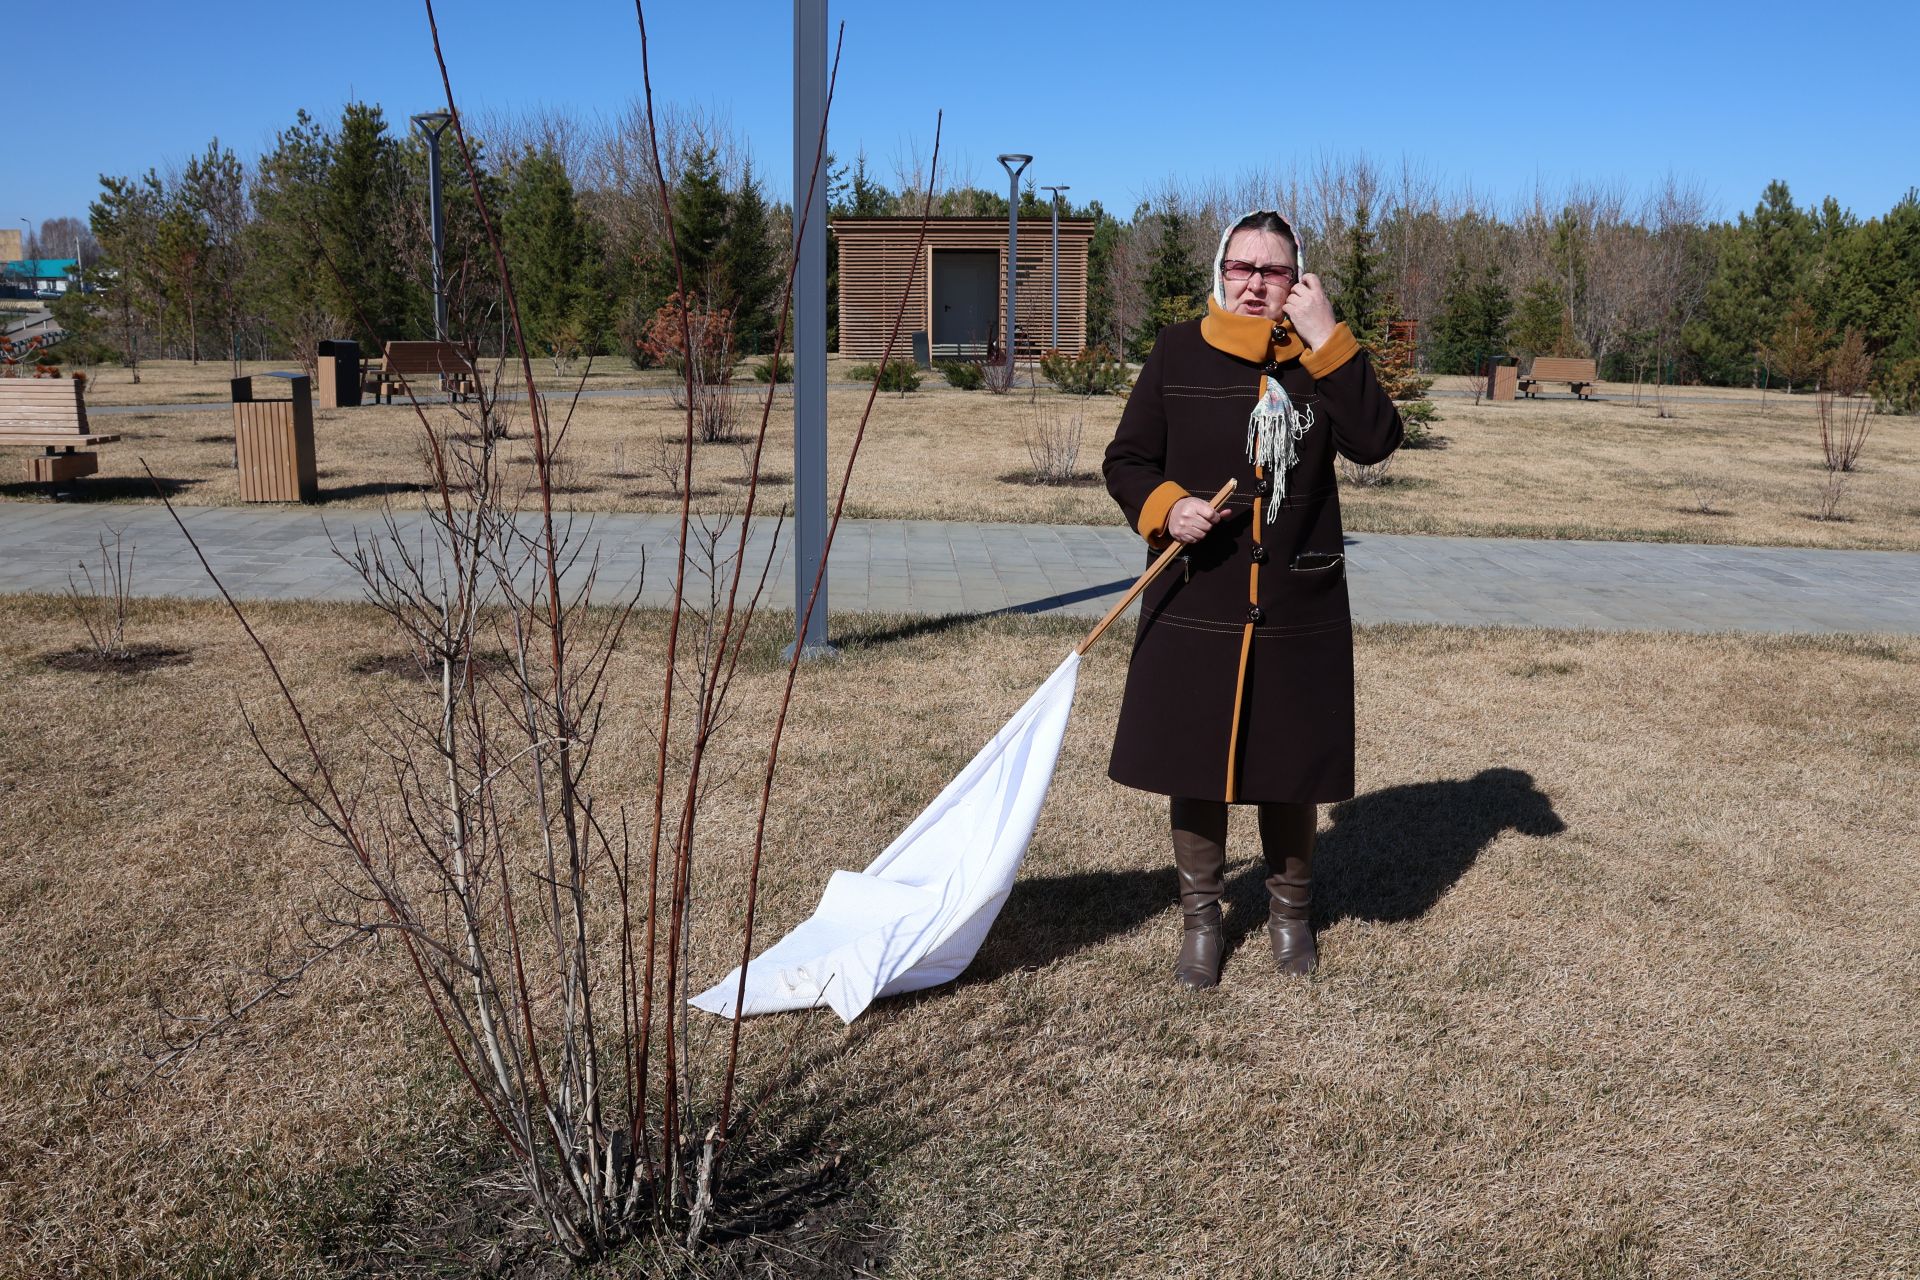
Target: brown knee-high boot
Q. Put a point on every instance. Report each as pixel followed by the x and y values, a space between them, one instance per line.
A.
pixel 1286 839
pixel 1200 856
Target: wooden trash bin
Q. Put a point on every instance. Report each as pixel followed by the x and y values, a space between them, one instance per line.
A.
pixel 1502 381
pixel 273 442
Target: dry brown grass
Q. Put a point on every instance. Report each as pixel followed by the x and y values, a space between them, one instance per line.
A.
pixel 1617 976
pixel 1729 467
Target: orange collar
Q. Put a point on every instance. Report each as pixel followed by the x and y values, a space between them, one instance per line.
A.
pixel 1248 337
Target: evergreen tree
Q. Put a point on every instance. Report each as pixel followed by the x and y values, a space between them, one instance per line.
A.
pixel 749 264
pixel 1796 351
pixel 213 191
pixel 1361 295
pixel 1102 320
pixel 546 248
pixel 1472 321
pixel 700 208
pixel 1175 288
pixel 1760 269
pixel 126 222
pixel 284 265
pixel 359 212
pixel 1540 322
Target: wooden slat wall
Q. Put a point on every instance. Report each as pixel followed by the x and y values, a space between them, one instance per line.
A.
pixel 877 261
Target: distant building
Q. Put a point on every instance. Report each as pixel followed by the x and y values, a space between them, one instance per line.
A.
pixel 37 277
pixel 955 290
pixel 10 247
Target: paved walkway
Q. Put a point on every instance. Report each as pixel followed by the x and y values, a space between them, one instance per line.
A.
pixel 927 567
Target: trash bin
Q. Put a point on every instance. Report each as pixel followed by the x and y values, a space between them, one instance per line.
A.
pixel 1502 380
pixel 922 353
pixel 273 442
pixel 339 374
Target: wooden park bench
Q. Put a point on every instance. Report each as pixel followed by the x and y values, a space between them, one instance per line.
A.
pixel 1579 375
pixel 403 362
pixel 51 413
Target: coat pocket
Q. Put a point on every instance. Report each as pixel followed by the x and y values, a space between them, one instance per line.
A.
pixel 1320 562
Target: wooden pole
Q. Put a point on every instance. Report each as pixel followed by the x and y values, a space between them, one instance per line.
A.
pixel 1153 571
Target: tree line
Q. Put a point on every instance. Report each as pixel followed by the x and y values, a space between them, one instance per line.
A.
pixel 326 235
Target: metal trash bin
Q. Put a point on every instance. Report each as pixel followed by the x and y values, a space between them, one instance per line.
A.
pixel 273 442
pixel 339 374
pixel 922 353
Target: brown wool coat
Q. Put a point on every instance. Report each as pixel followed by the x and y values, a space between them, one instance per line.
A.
pixel 1241 682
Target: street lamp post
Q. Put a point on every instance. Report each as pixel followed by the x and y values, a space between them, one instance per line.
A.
pixel 431 125
pixel 1056 260
pixel 809 330
pixel 1013 164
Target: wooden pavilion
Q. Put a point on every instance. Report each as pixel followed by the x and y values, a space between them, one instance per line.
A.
pixel 956 287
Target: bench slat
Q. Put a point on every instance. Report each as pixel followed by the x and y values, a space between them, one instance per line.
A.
pixel 8 437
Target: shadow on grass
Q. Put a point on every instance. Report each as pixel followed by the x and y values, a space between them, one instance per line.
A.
pixel 937 624
pixel 1390 856
pixel 98 489
pixel 370 489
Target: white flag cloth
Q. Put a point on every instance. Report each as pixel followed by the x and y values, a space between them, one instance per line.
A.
pixel 919 912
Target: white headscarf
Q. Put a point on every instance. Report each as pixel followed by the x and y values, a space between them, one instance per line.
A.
pixel 1277 426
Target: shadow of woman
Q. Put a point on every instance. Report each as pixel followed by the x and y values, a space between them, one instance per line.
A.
pixel 1391 854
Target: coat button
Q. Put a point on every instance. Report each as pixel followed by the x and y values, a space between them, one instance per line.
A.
pixel 1256 615
pixel 1263 486
pixel 1259 554
pixel 1270 367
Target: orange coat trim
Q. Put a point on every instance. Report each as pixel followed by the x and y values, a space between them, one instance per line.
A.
pixel 1153 514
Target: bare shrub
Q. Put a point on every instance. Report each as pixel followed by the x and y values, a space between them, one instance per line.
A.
pixel 543 921
pixel 1844 427
pixel 715 412
pixel 1366 475
pixel 1832 490
pixel 998 376
pixel 1707 492
pixel 1053 442
pixel 100 605
pixel 668 463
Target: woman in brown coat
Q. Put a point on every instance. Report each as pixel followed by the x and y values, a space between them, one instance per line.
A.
pixel 1240 689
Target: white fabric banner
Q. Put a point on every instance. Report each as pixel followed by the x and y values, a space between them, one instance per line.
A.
pixel 917 915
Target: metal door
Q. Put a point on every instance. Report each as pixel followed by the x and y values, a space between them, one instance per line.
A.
pixel 966 301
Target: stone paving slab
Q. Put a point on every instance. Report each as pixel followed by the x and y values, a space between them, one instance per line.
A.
pixel 932 567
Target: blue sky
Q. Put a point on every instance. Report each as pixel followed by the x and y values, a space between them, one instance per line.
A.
pixel 1111 98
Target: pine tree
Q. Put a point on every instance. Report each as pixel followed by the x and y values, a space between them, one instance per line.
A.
pixel 1540 326
pixel 284 264
pixel 126 222
pixel 213 191
pixel 700 208
pixel 1359 301
pixel 1175 288
pixel 1473 317
pixel 545 246
pixel 749 265
pixel 1760 269
pixel 1102 322
pixel 359 213
pixel 1797 349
